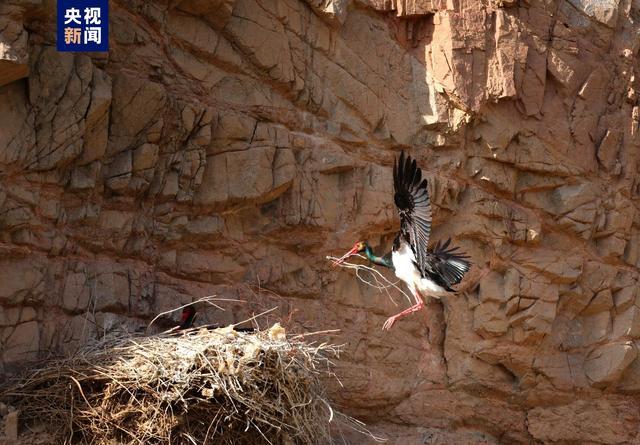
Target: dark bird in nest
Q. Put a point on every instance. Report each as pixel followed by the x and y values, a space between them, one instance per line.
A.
pixel 189 315
pixel 425 271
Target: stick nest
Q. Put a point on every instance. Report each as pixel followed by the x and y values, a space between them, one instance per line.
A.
pixel 205 386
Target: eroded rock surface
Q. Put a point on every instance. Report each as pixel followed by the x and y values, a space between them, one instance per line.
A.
pixel 226 147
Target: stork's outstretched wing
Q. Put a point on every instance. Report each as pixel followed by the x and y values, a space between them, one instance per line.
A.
pixel 412 199
pixel 447 265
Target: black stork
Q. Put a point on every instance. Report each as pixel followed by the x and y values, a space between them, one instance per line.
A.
pixel 188 317
pixel 427 272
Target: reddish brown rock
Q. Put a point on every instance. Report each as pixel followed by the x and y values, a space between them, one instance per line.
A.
pixel 14 57
pixel 227 147
pixel 606 364
pixel 608 421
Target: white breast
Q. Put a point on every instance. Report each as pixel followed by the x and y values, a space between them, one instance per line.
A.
pixel 404 264
pixel 405 269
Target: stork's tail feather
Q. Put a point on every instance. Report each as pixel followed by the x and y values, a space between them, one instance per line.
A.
pixel 454 264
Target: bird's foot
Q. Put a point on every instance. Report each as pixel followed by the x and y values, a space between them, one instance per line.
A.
pixel 389 323
pixel 391 320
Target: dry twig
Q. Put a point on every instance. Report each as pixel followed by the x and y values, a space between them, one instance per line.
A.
pixel 205 386
pixel 378 281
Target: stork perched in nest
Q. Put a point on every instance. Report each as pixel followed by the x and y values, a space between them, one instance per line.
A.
pixel 425 271
pixel 188 318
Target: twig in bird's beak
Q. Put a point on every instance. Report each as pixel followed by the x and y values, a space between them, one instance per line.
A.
pixel 380 282
pixel 353 251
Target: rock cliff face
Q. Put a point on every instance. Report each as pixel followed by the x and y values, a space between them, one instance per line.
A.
pixel 226 146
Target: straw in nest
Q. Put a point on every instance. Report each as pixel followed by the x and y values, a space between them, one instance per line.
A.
pixel 202 387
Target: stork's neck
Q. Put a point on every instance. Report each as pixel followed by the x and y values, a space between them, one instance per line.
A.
pixel 380 260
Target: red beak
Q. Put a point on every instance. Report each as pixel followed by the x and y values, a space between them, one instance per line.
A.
pixel 353 251
pixel 188 316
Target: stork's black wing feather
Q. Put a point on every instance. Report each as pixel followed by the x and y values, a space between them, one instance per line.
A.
pixel 412 200
pixel 446 265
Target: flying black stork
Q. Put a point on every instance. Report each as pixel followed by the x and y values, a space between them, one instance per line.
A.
pixel 425 271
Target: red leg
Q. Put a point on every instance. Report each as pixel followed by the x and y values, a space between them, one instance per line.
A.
pixel 416 307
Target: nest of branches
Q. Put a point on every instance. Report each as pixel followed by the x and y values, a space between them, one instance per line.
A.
pixel 204 386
